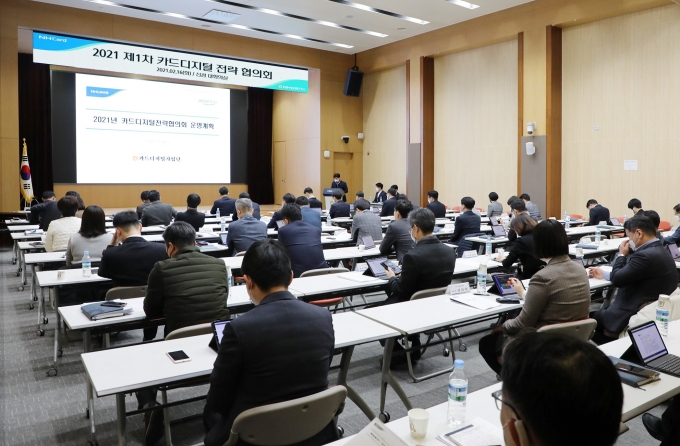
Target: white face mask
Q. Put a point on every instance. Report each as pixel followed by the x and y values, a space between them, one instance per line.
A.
pixel 377 189
pixel 677 218
pixel 631 245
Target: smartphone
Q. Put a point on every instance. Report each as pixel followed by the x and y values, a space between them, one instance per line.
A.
pixel 507 300
pixel 113 304
pixel 202 243
pixel 178 356
pixel 640 371
pixel 389 264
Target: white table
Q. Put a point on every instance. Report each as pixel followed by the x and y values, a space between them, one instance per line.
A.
pixel 605 247
pixel 588 230
pixel 330 285
pixel 34 260
pixel 22 237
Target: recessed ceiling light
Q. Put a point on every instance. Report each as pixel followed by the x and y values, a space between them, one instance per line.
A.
pixel 205 26
pixel 221 16
pixel 379 11
pixel 349 16
pixel 464 4
pixel 401 29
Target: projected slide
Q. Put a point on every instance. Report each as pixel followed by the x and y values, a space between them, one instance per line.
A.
pixel 135 131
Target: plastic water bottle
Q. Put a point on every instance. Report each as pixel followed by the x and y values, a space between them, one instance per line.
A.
pixel 87 264
pixel 624 218
pixel 328 219
pixel 458 385
pixel 663 313
pixel 567 221
pixel 223 224
pixel 230 278
pixel 598 234
pixel 489 250
pixel 481 277
pixel 217 213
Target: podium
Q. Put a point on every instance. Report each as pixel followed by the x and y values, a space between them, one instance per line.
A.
pixel 328 195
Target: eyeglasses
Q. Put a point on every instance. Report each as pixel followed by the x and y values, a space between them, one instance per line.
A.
pixel 498 398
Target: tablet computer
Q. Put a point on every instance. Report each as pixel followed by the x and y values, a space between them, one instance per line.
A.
pixel 218 330
pixel 502 286
pixel 375 268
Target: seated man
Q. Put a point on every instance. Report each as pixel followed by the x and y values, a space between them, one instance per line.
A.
pixel 359 196
pixel 433 204
pixel 380 194
pixel 597 213
pixel 656 220
pixel 545 402
pixel 129 263
pixel 495 209
pixel 467 222
pixel 517 207
pixel 246 230
pixel 398 235
pixel 675 238
pixel 365 223
pixel 635 205
pixel 145 203
pixel 192 216
pixel 339 208
pixel 309 215
pixel 45 212
pixel 256 207
pixel 313 201
pixel 248 372
pixel 643 270
pixel 157 212
pixel 531 207
pixel 287 199
pixel 301 241
pixel 389 205
pixel 667 428
pixel 226 205
pixel 189 288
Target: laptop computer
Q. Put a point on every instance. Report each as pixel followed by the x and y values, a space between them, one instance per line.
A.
pixel 652 350
pixel 675 252
pixel 498 231
pixel 615 222
pixel 368 241
pixel 218 330
pixel 280 223
pixel 224 236
pixel 375 268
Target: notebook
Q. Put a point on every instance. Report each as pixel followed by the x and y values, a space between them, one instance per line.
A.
pixel 652 350
pixel 97 311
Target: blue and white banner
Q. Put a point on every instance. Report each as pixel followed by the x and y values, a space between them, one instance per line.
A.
pixel 134 59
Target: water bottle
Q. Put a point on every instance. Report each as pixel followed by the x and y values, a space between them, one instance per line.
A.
pixel 87 264
pixel 567 221
pixel 488 248
pixel 223 224
pixel 481 278
pixel 663 313
pixel 624 218
pixel 328 219
pixel 217 213
pixel 598 234
pixel 230 278
pixel 458 385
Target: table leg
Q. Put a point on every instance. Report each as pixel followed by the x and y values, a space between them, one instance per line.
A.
pixel 387 378
pixel 19 255
pixel 120 414
pixel 342 381
pixel 23 268
pixel 33 288
pixel 57 327
pixel 15 250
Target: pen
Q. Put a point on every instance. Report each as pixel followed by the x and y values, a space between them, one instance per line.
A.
pixel 459 430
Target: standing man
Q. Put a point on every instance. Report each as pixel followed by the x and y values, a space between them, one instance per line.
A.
pixel 145 203
pixel 226 205
pixel 313 201
pixel 467 222
pixel 597 213
pixel 380 194
pixel 301 241
pixel 389 205
pixel 46 211
pixel 635 205
pixel 433 204
pixel 531 207
pixel 339 184
pixel 246 230
pixel 157 212
pixel 365 223
pixel 398 235
pixel 338 208
pixel 249 373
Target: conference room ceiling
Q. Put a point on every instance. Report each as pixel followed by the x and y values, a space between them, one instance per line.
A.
pixel 334 25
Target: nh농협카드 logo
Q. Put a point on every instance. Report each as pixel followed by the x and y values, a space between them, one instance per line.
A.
pixel 207 101
pixel 52 38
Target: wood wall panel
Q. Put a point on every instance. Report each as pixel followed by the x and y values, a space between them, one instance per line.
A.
pixel 554 121
pixel 426 128
pixel 475 126
pixel 621 74
pixel 384 129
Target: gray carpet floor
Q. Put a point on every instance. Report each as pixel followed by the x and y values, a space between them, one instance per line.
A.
pixel 40 410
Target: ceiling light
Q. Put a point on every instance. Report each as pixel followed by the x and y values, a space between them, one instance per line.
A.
pixel 401 29
pixel 205 26
pixel 379 11
pixel 464 4
pixel 231 25
pixel 296 17
pixel 221 16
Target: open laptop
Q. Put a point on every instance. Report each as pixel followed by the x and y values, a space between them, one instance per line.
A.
pixel 368 241
pixel 652 350
pixel 218 330
pixel 615 222
pixel 375 268
pixel 224 237
pixel 675 252
pixel 280 223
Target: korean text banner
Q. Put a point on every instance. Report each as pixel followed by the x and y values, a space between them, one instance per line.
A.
pixel 124 58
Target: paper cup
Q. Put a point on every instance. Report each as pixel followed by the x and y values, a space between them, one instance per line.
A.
pixel 500 251
pixel 417 420
pixel 579 252
pixel 60 275
pixel 362 247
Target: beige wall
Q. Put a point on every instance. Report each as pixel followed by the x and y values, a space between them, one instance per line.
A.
pixel 621 74
pixel 384 129
pixel 475 127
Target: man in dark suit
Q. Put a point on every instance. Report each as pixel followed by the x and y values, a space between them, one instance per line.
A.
pixel 675 238
pixel 398 235
pixel 145 202
pixel 309 215
pixel 157 212
pixel 44 213
pixel 635 205
pixel 517 207
pixel 389 205
pixel 433 204
pixel 597 213
pixel 467 222
pixel 192 216
pixel 643 270
pixel 339 184
pixel 313 201
pixel 248 372
pixel 287 199
pixel 256 207
pixel 246 230
pixel 129 263
pixel 226 205
pixel 338 208
pixel 358 197
pixel 301 241
pixel 380 194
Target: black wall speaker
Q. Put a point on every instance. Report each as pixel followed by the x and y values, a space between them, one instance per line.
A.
pixel 353 82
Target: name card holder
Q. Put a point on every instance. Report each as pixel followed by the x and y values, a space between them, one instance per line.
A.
pixel 458 288
pixel 469 254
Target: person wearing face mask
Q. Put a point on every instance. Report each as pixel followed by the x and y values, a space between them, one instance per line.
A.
pixel 280 350
pixel 675 238
pixel 517 207
pixel 339 184
pixel 558 391
pixel 189 288
pixel 380 194
pixel 643 270
pixel 558 293
pixel 433 204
